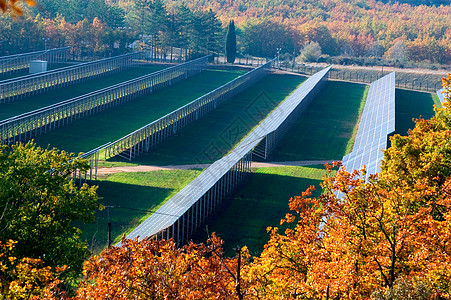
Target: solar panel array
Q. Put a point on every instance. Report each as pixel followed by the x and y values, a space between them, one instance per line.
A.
pixel 23 127
pixel 376 124
pixel 172 211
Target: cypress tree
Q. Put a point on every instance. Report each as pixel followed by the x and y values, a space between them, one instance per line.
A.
pixel 231 43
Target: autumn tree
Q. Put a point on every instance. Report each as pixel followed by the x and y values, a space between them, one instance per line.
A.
pixel 263 37
pixel 150 269
pixel 13 6
pixel 27 278
pixel 39 203
pixel 371 237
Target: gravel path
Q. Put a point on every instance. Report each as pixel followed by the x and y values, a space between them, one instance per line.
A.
pixel 147 168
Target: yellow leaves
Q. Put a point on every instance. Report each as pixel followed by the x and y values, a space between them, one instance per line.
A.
pixel 447 88
pixel 139 269
pixel 27 277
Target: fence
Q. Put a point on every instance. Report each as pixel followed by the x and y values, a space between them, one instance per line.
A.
pixel 17 88
pixel 150 135
pixel 17 62
pixel 187 210
pixel 25 126
pixel 405 80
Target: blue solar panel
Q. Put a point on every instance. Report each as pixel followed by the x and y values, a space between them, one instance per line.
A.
pixel 376 124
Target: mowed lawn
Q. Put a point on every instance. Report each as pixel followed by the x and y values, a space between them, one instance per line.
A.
pixel 21 106
pixel 261 202
pixel 217 133
pixel 326 129
pixel 135 196
pixel 410 105
pixel 90 132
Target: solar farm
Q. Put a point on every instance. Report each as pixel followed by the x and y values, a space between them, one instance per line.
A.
pixel 125 112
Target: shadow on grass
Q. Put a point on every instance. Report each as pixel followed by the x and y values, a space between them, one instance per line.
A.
pixel 409 105
pixel 127 214
pixel 261 202
pixel 325 128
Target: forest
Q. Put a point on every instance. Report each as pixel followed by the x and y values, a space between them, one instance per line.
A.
pixel 371 29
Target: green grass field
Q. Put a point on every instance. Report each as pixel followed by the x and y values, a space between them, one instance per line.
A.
pixel 93 131
pixel 213 136
pixel 21 106
pixel 261 202
pixel 138 195
pixel 412 104
pixel 326 128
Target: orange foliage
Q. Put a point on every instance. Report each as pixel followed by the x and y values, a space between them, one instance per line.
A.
pixel 13 6
pixel 27 278
pixel 364 237
pixel 157 269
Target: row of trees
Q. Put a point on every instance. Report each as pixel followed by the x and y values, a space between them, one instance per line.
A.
pixel 351 28
pixel 341 28
pixel 103 30
pixel 386 237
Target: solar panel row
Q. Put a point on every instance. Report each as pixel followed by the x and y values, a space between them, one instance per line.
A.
pixel 376 124
pixel 170 214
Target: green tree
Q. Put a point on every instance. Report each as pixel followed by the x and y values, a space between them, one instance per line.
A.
pixel 311 52
pixel 206 35
pixel 231 43
pixel 39 203
pixel 263 37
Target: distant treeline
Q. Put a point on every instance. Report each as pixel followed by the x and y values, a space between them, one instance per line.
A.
pixel 344 28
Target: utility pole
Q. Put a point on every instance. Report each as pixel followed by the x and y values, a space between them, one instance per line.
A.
pixel 109 225
pixel 45 42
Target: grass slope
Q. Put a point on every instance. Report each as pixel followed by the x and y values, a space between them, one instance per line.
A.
pixel 93 131
pixel 31 103
pixel 213 136
pixel 412 104
pixel 261 202
pixel 138 195
pixel 326 129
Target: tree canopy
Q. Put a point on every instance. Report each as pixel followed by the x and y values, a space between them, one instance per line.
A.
pixel 39 204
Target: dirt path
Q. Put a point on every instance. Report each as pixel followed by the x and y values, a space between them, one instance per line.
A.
pixel 147 168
